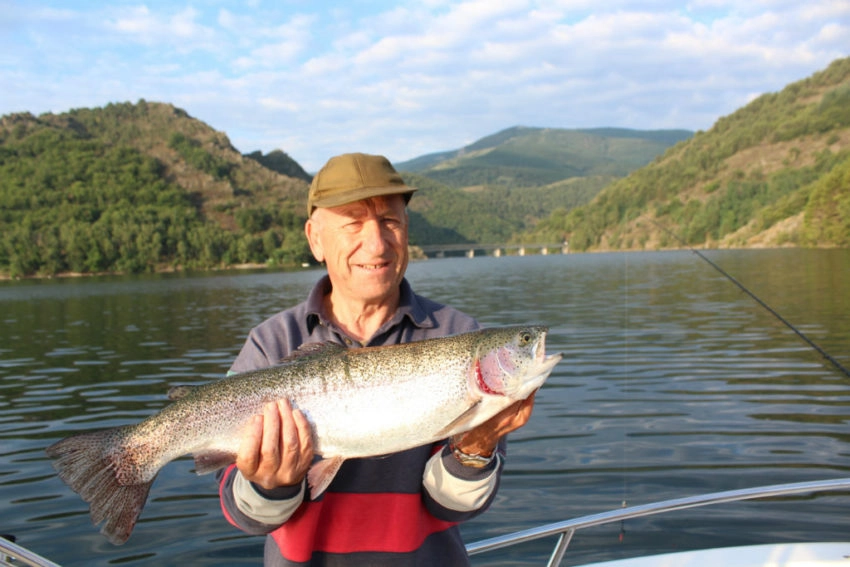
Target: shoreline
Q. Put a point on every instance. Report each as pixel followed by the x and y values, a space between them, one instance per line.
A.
pixel 416 254
pixel 169 270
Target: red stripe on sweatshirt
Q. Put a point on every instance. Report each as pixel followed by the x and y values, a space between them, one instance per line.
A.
pixel 221 485
pixel 348 523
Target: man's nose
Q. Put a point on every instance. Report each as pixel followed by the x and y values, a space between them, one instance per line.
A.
pixel 373 236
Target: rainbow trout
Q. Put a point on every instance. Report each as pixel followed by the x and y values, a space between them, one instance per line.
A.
pixel 360 403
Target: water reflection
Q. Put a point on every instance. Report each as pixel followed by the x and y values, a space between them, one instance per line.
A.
pixel 673 383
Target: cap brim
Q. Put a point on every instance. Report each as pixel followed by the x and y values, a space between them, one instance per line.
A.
pixel 362 193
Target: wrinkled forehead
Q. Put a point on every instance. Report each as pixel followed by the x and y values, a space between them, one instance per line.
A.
pixel 379 206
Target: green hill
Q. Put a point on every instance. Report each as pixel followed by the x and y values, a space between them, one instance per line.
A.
pixel 141 187
pixel 776 172
pixel 145 187
pixel 532 157
pixel 440 214
pixel 280 162
pixel 505 183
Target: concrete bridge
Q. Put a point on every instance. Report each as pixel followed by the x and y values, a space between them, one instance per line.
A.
pixel 471 250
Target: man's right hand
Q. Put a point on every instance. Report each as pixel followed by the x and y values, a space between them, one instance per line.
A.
pixel 277 447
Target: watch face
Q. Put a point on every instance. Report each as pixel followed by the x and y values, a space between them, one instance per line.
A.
pixel 476 461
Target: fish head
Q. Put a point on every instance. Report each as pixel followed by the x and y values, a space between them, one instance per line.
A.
pixel 512 362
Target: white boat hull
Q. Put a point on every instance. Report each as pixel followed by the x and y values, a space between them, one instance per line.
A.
pixel 773 555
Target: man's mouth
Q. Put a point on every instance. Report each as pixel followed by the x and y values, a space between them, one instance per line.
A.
pixel 373 266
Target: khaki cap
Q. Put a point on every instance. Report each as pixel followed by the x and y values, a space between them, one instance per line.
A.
pixel 353 177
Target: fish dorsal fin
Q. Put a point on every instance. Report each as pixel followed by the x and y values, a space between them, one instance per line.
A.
pixel 313 349
pixel 179 392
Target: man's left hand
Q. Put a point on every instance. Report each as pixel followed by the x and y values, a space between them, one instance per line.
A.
pixel 484 439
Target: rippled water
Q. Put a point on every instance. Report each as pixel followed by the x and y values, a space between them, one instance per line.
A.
pixel 673 383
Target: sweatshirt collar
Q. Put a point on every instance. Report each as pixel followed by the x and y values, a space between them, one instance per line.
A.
pixel 409 307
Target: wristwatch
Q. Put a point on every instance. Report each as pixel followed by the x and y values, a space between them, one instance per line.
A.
pixel 474 460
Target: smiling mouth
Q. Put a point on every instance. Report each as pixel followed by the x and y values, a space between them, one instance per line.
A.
pixel 373 266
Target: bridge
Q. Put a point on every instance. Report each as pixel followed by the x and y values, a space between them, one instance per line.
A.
pixel 470 250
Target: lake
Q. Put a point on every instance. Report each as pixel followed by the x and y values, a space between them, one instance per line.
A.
pixel 673 383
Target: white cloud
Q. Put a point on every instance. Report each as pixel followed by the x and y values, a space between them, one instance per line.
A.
pixel 179 29
pixel 832 33
pixel 279 104
pixel 416 77
pixel 233 22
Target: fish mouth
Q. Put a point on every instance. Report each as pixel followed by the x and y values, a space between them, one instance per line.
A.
pixel 549 362
pixel 539 371
pixel 545 362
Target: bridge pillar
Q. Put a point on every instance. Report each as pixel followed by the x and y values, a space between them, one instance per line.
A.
pixel 471 253
pixel 544 251
pixel 497 252
pixel 521 251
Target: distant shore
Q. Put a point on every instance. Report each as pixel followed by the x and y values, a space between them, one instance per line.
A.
pixel 415 254
pixel 164 270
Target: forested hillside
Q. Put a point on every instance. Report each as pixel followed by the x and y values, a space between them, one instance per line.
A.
pixel 141 187
pixel 145 187
pixel 774 173
pixel 504 183
pixel 440 214
pixel 533 157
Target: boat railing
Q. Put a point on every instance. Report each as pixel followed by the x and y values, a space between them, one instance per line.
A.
pixel 566 529
pixel 13 555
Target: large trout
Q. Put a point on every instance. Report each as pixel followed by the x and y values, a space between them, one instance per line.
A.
pixel 359 402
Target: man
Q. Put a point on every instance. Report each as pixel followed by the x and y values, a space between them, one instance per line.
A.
pixel 400 509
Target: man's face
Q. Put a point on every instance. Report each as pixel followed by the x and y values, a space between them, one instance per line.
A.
pixel 364 245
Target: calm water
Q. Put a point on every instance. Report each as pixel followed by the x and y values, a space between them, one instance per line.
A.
pixel 673 383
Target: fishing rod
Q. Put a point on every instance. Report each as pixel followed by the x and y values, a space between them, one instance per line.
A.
pixel 743 288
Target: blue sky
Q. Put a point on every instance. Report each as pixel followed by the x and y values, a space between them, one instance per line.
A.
pixel 405 79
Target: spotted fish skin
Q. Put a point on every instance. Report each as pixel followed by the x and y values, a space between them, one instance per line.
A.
pixel 360 403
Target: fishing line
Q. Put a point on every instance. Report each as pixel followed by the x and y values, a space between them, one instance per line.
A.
pixel 772 311
pixel 622 535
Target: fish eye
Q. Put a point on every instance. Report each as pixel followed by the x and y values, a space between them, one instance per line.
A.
pixel 524 338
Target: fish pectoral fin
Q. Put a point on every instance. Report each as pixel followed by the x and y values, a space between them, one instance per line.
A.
pixel 321 474
pixel 460 421
pixel 211 461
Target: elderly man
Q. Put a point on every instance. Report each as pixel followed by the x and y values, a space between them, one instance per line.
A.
pixel 400 509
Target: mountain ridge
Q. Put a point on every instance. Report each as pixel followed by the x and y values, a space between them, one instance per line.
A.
pixel 146 187
pixel 782 160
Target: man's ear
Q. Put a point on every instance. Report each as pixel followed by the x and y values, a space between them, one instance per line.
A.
pixel 312 231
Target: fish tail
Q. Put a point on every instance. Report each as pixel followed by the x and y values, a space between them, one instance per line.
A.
pixel 107 476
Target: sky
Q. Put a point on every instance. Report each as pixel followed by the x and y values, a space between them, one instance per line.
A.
pixel 405 79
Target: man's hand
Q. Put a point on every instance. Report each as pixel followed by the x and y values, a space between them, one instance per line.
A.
pixel 277 447
pixel 483 439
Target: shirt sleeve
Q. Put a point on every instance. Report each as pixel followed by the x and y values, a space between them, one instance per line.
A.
pixel 455 492
pixel 254 510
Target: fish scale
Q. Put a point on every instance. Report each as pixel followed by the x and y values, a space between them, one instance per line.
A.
pixel 359 402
